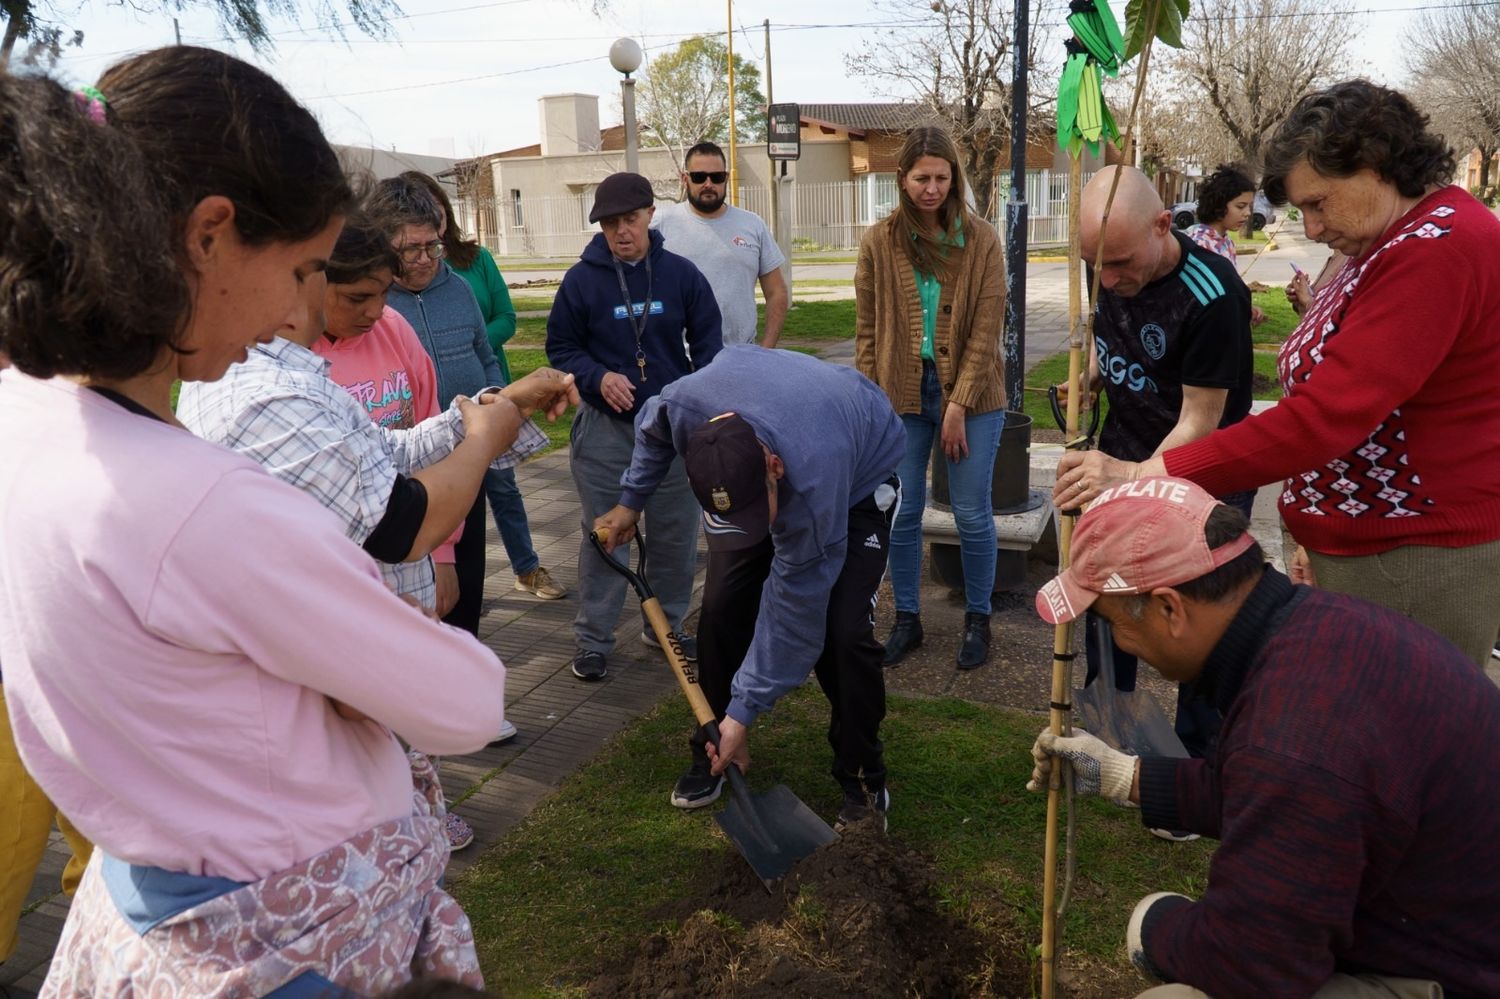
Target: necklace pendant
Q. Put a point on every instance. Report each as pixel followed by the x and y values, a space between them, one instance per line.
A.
pixel 640 362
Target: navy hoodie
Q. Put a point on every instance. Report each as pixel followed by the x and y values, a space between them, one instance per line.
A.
pixel 589 333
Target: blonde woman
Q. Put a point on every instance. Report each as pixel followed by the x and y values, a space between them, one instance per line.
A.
pixel 929 301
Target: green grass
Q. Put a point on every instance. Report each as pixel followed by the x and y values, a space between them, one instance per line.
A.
pixel 531 303
pixel 524 362
pixel 1280 318
pixel 529 332
pixel 580 881
pixel 816 258
pixel 830 320
pixel 805 321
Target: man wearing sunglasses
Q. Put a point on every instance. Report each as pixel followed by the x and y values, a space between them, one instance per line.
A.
pixel 732 247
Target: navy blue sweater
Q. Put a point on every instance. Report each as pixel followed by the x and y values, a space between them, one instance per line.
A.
pixel 589 333
pixel 1355 792
pixel 839 438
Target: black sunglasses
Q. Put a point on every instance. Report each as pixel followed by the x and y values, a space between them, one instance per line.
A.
pixel 717 176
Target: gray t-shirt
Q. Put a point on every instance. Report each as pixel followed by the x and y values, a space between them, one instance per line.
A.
pixel 732 250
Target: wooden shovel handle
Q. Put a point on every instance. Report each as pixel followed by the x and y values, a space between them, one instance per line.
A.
pixel 687 674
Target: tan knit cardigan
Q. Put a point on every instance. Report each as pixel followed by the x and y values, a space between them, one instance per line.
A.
pixel 971 312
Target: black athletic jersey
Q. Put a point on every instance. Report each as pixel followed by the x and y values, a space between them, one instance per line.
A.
pixel 1191 327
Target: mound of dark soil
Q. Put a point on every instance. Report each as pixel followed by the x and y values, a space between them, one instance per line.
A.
pixel 858 918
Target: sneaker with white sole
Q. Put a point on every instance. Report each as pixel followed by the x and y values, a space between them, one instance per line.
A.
pixel 589 666
pixel 507 733
pixel 687 643
pixel 697 787
pixel 1173 835
pixel 460 833
pixel 539 582
pixel 860 805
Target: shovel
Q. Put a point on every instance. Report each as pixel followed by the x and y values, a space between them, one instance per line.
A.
pixel 772 831
pixel 1129 720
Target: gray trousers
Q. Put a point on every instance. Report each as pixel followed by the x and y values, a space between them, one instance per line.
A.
pixel 600 453
pixel 1454 591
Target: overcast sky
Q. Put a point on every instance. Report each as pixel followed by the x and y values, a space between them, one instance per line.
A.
pixel 462 77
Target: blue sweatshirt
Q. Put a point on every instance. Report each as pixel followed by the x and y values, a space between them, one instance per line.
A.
pixel 839 438
pixel 589 333
pixel 451 327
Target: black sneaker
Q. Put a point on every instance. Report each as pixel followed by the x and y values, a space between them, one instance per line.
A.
pixel 859 805
pixel 589 665
pixel 688 643
pixel 697 787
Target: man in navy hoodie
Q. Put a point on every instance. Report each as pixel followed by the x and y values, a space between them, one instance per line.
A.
pixel 629 319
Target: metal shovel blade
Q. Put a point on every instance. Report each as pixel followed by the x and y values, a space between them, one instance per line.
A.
pixel 772 830
pixel 1129 720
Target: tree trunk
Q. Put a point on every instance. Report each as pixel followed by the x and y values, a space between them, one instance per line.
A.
pixel 1485 158
pixel 982 182
pixel 12 32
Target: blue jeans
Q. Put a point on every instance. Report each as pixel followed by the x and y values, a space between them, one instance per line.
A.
pixel 969 484
pixel 510 519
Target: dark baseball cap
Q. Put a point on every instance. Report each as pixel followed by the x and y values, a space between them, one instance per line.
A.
pixel 726 466
pixel 620 193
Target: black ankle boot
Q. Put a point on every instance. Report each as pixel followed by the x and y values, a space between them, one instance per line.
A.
pixel 975 649
pixel 906 637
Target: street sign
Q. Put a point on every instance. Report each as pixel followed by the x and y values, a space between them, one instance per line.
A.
pixel 783 134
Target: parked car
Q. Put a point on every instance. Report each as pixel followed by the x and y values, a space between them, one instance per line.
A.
pixel 1185 213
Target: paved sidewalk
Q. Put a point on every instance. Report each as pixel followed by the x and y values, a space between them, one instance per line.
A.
pixel 563 722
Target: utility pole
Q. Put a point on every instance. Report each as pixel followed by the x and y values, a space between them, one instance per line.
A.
pixel 781 221
pixel 177 30
pixel 771 99
pixel 1013 343
pixel 734 174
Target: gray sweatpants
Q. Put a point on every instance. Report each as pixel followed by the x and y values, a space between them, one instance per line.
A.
pixel 600 453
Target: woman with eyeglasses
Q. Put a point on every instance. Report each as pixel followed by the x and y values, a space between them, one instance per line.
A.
pixel 473 262
pixel 442 310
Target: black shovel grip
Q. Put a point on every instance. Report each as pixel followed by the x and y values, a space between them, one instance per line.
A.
pixel 637 578
pixel 1095 413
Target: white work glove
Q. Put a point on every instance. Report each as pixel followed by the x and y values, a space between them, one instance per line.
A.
pixel 1097 769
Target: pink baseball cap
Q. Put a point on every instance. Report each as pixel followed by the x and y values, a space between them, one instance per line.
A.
pixel 1134 538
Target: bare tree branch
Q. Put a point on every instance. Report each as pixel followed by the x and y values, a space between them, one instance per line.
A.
pixel 1456 70
pixel 1241 70
pixel 957 66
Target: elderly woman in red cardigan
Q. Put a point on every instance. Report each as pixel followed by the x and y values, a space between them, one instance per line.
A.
pixel 1388 436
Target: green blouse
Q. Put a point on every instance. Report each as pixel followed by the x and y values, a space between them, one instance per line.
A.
pixel 930 291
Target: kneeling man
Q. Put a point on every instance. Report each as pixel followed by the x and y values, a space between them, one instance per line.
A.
pixel 1355 787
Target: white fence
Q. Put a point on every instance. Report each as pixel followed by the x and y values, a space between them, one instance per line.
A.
pixel 824 216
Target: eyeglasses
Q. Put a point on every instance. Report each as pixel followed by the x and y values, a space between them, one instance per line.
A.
pixel 413 252
pixel 717 176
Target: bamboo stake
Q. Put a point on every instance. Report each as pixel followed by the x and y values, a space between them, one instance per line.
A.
pixel 1080 334
pixel 1062 641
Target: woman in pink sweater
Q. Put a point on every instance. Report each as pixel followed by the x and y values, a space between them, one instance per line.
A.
pixel 1387 435
pixel 375 355
pixel 175 682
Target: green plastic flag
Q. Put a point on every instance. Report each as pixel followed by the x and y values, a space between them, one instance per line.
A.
pixel 1094 26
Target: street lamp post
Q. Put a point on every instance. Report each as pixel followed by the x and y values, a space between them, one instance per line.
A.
pixel 625 57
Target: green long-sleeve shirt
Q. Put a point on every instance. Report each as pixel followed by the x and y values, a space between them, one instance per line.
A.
pixel 494 301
